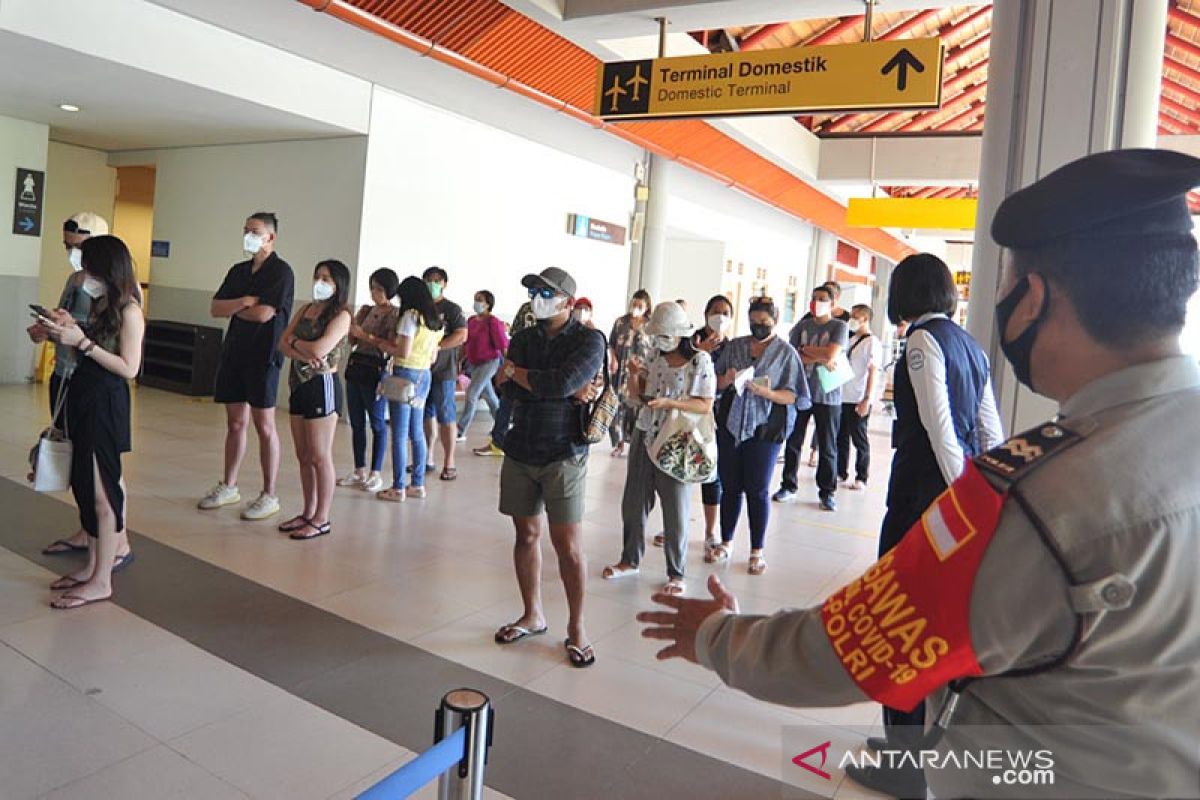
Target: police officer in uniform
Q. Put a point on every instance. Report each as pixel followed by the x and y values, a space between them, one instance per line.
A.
pixel 1050 595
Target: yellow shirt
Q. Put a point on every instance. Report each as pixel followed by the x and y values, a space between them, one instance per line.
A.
pixel 424 342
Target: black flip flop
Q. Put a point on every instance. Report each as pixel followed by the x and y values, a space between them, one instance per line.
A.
pixel 122 562
pixel 321 530
pixel 67 547
pixel 579 657
pixel 522 633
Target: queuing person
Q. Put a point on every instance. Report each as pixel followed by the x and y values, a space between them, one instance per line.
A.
pixel 1067 614
pixel 945 413
pixel 753 419
pixel 549 370
pixel 256 296
pixel 677 378
pixel 500 425
pixel 441 406
pixel 374 322
pixel 820 340
pixel 835 291
pixel 310 341
pixel 109 354
pixel 413 351
pixel 77 301
pixel 627 340
pixel 712 338
pixel 865 355
pixel 487 341
pixel 583 314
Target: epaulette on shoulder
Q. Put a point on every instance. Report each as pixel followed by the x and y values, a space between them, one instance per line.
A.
pixel 1023 453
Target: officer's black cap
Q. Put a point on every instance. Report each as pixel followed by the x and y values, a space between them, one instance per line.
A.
pixel 1111 195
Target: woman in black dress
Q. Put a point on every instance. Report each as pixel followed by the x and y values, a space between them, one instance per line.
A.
pixel 109 345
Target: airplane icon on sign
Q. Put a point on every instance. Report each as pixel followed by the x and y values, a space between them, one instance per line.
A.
pixel 637 82
pixel 615 93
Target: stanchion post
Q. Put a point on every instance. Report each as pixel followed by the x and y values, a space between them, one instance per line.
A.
pixel 465 708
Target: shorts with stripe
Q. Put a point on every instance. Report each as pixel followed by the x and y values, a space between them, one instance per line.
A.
pixel 317 397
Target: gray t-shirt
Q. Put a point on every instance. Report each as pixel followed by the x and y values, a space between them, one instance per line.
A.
pixel 810 332
pixel 79 303
pixel 445 366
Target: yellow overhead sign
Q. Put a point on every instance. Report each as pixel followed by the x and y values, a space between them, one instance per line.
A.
pixel 903 74
pixel 911 212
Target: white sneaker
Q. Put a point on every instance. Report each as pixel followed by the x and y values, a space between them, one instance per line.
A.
pixel 219 495
pixel 858 486
pixel 372 484
pixel 462 437
pixel 264 506
pixel 353 479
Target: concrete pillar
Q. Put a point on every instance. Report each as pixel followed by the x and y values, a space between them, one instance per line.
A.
pixel 654 237
pixel 1067 78
pixel 22 144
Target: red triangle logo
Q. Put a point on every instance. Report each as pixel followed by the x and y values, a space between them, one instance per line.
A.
pixel 823 749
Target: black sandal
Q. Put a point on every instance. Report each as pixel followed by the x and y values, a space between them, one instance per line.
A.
pixel 321 530
pixel 449 474
pixel 580 657
pixel 296 523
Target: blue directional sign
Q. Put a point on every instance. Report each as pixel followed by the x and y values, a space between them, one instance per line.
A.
pixel 28 201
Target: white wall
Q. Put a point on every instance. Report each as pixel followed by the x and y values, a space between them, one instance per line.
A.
pixel 691 268
pixel 486 205
pixel 204 194
pixel 77 179
pixel 22 144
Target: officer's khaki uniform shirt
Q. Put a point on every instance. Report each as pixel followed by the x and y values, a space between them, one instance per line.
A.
pixel 1123 507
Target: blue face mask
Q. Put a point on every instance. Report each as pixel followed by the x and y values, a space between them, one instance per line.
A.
pixel 435 289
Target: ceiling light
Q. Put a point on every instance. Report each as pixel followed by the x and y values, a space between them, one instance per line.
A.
pixel 68 107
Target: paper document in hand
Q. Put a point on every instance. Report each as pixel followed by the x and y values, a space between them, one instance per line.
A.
pixel 742 378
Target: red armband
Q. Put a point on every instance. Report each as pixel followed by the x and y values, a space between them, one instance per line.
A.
pixel 903 629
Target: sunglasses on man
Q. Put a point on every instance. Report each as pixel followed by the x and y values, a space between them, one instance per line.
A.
pixel 544 292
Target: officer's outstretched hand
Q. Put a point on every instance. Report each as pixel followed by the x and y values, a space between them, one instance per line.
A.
pixel 680 625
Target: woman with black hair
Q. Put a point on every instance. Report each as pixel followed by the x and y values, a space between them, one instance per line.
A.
pixel 712 338
pixel 373 323
pixel 945 413
pixel 760 378
pixel 487 342
pixel 309 341
pixel 109 346
pixel 627 340
pixel 677 378
pixel 418 335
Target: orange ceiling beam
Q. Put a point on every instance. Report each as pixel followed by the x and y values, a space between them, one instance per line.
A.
pixel 1183 44
pixel 757 39
pixel 515 53
pixel 836 30
pixel 909 25
pixel 1184 18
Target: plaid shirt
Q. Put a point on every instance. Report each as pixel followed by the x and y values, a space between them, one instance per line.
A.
pixel 546 420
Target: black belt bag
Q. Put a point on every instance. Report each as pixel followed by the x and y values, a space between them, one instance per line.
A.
pixel 365 369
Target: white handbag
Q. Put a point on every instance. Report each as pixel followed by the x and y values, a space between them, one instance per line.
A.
pixel 686 447
pixel 51 456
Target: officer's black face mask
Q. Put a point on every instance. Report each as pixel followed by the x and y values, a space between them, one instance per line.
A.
pixel 1019 351
pixel 761 331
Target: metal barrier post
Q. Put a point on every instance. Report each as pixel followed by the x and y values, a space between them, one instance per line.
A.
pixel 466 708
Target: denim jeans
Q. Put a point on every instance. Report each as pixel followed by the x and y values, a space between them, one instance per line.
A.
pixel 409 423
pixel 367 408
pixel 481 386
pixel 503 420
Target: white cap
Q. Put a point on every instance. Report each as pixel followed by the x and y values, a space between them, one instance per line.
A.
pixel 86 223
pixel 669 319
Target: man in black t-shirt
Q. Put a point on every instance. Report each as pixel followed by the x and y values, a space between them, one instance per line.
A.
pixel 440 405
pixel 257 297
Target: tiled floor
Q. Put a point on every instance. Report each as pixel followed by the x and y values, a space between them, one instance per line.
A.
pixel 93 702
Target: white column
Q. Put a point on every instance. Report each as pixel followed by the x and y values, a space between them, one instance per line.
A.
pixel 1066 78
pixel 654 238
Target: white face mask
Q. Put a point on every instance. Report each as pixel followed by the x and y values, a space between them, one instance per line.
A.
pixel 822 308
pixel 636 311
pixel 666 343
pixel 75 257
pixel 855 325
pixel 546 307
pixel 252 243
pixel 322 291
pixel 480 307
pixel 93 287
pixel 581 314
pixel 719 322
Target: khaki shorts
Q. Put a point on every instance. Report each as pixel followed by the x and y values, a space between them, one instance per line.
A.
pixel 557 487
